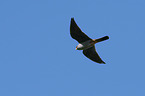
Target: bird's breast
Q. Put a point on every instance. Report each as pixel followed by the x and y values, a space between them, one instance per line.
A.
pixel 85 45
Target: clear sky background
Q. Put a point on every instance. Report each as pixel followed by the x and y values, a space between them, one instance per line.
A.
pixel 38 56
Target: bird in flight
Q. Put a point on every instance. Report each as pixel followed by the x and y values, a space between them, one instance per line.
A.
pixel 86 43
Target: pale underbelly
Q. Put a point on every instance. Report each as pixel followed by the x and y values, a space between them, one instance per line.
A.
pixel 85 45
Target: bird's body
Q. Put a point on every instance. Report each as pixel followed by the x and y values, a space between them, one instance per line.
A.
pixel 85 43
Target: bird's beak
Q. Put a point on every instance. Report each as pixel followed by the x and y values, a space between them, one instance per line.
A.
pixel 76 48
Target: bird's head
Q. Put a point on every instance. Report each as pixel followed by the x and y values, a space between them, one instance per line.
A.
pixel 79 47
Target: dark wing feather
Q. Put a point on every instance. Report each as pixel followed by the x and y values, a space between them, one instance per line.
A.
pixel 93 55
pixel 76 32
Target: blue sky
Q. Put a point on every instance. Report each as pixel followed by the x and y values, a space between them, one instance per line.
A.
pixel 38 56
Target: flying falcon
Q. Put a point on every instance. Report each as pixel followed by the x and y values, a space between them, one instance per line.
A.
pixel 86 43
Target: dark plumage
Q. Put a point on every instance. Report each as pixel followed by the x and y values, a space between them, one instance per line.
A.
pixel 86 43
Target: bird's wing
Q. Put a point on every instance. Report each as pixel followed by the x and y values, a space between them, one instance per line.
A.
pixel 93 55
pixel 76 32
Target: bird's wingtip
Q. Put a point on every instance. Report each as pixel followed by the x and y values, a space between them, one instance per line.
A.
pixel 102 63
pixel 72 18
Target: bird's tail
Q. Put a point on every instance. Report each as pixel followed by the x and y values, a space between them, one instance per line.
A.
pixel 101 39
